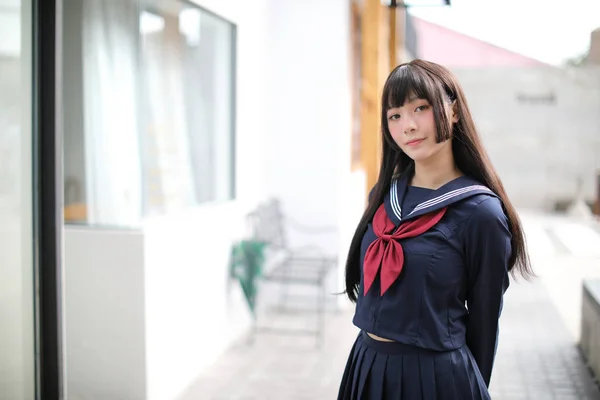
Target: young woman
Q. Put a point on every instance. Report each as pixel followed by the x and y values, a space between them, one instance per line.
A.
pixel 429 262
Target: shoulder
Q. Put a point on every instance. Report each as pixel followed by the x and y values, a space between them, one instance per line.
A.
pixel 485 207
pixel 485 216
pixel 480 208
pixel 480 201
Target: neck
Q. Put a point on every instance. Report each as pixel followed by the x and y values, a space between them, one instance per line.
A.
pixel 433 174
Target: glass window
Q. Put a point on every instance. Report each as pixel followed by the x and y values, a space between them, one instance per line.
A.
pixel 17 379
pixel 102 172
pixel 149 100
pixel 186 107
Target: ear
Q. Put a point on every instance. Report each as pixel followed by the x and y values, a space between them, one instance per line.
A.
pixel 454 116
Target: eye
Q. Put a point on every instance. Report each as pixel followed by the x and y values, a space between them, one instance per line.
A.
pixel 394 117
pixel 422 108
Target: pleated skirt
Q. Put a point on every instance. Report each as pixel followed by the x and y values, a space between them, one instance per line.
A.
pixel 394 371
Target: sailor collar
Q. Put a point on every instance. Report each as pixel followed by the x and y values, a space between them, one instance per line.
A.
pixel 456 190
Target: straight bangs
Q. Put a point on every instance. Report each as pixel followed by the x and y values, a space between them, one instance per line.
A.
pixel 408 81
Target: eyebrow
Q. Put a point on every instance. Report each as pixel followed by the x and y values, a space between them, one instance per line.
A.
pixel 410 100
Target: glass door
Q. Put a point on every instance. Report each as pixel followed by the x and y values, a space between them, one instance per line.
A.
pixel 30 232
pixel 17 310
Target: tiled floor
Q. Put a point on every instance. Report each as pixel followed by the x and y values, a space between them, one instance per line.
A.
pixel 537 355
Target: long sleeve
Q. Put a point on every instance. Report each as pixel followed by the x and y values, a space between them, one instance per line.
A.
pixel 488 250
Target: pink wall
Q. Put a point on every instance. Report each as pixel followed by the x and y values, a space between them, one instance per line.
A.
pixel 453 49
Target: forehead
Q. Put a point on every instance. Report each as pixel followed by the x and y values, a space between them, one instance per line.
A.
pixel 410 99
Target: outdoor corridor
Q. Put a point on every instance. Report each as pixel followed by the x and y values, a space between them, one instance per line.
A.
pixel 537 355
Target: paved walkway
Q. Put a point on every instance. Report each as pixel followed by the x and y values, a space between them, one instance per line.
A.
pixel 537 356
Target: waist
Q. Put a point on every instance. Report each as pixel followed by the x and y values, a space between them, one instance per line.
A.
pixel 379 338
pixel 431 329
pixel 389 346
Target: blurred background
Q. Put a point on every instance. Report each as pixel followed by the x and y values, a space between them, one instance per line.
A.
pixel 180 180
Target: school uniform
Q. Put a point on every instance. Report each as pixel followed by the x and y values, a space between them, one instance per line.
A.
pixel 434 268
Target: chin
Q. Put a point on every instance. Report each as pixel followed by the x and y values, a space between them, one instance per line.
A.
pixel 418 155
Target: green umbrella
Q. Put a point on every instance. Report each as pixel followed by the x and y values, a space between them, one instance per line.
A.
pixel 247 261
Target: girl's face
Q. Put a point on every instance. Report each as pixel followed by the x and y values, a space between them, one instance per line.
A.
pixel 413 128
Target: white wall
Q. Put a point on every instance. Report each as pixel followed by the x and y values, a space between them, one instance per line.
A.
pixel 104 314
pixel 310 114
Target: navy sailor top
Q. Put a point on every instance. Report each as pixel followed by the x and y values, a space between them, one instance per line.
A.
pixel 454 276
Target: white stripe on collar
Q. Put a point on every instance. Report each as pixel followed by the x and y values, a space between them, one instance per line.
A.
pixel 395 203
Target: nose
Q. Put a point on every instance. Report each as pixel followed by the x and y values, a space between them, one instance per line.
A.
pixel 409 125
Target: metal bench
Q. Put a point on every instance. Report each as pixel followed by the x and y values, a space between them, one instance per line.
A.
pixel 285 266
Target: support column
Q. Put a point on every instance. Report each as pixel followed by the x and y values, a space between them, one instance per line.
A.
pixel 375 67
pixel 381 49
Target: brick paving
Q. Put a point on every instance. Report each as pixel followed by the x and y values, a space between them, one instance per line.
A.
pixel 281 366
pixel 537 358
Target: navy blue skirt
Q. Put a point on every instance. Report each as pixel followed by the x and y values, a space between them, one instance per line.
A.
pixel 394 371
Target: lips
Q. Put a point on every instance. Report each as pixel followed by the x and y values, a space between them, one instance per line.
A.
pixel 414 142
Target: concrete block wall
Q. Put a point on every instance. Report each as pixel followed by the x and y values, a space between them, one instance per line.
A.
pixel 541 127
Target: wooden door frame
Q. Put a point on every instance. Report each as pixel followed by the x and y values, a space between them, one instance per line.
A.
pixel 376 35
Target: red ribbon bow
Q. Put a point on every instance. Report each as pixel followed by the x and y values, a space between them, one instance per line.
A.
pixel 387 252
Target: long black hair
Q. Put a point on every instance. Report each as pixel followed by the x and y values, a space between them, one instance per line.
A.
pixel 438 86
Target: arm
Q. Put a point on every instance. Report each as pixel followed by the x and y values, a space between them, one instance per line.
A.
pixel 488 250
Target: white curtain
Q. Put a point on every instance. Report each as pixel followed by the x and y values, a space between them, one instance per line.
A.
pixel 208 96
pixel 167 164
pixel 199 66
pixel 110 48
